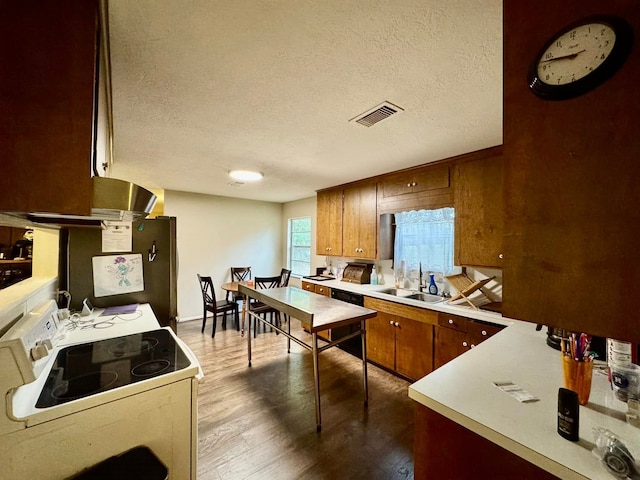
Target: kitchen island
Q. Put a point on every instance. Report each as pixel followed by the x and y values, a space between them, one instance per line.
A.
pixel 319 313
pixel 459 403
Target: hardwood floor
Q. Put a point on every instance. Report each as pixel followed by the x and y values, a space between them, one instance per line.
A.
pixel 259 422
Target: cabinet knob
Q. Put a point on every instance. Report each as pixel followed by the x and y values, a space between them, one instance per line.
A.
pixel 408 185
pixel 464 344
pixel 391 322
pixel 413 184
pixel 501 255
pixel 396 324
pixel 472 345
pixel 450 322
pixel 484 332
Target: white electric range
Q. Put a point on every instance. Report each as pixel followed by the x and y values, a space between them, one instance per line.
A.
pixel 83 389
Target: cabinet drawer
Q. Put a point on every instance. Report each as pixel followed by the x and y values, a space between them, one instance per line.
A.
pixel 453 321
pixel 481 331
pixel 322 290
pixel 310 287
pixel 414 313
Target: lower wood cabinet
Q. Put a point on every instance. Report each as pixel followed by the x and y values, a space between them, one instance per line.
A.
pixel 400 338
pixel 444 449
pixel 455 335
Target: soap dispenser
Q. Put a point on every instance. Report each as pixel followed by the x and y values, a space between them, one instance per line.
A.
pixel 374 276
pixel 433 288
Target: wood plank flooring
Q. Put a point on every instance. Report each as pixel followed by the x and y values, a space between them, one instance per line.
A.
pixel 259 422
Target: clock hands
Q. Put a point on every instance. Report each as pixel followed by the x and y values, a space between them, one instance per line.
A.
pixel 570 56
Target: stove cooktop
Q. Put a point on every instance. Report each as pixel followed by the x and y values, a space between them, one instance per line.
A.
pixel 95 367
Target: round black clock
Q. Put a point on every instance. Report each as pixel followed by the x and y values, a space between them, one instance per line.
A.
pixel 580 57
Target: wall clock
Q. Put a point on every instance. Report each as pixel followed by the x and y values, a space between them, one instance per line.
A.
pixel 580 57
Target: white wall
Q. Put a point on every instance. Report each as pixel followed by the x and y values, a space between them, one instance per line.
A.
pixel 215 233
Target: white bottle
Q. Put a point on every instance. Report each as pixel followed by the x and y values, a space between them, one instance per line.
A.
pixel 374 276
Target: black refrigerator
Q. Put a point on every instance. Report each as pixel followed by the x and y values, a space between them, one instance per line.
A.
pixel 154 239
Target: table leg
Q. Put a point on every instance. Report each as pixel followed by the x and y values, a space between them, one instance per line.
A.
pixel 244 312
pixel 363 336
pixel 248 338
pixel 289 332
pixel 316 377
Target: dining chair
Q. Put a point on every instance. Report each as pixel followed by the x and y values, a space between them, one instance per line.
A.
pixel 239 274
pixel 216 307
pixel 284 282
pixel 284 277
pixel 262 309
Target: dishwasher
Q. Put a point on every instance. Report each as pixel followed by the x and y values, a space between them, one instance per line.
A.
pixel 353 345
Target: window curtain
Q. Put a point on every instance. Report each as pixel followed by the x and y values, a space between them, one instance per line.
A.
pixel 424 236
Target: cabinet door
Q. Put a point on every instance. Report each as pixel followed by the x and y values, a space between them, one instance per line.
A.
pixel 381 340
pixel 449 343
pixel 427 187
pixel 415 181
pixel 329 222
pixel 479 212
pixel 414 348
pixel 360 233
pixel 48 93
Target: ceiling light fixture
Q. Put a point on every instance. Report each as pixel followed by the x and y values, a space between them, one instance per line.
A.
pixel 246 175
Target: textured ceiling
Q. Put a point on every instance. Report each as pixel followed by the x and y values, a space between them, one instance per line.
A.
pixel 201 87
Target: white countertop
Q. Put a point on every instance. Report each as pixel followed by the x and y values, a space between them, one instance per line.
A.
pixel 374 292
pixel 463 391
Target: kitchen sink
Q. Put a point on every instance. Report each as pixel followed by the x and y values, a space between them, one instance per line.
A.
pixel 425 297
pixel 398 292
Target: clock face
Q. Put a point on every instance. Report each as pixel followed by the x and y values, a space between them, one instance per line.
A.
pixel 576 54
pixel 580 57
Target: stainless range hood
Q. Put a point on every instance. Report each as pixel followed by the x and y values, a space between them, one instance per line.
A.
pixel 112 199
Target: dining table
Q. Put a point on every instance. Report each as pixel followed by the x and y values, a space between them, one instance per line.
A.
pixel 232 287
pixel 320 313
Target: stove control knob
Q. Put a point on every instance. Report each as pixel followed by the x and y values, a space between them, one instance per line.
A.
pixel 38 352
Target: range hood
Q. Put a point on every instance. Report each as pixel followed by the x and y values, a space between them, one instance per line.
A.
pixel 112 199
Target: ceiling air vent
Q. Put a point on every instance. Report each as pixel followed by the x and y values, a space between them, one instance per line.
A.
pixel 377 114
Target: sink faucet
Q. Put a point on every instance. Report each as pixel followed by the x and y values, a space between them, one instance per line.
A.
pixel 421 285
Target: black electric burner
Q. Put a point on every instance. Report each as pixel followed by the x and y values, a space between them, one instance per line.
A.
pixel 83 370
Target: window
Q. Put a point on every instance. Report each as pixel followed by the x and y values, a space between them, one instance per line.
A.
pixel 299 246
pixel 424 237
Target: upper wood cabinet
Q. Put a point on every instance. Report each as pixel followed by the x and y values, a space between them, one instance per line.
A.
pixel 416 188
pixel 479 210
pixel 572 222
pixel 329 222
pixel 48 87
pixel 359 221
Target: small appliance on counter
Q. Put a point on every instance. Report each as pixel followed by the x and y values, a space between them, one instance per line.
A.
pixel 357 273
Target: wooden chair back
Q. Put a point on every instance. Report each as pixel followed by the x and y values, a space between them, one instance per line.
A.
pixel 240 274
pixel 208 293
pixel 267 282
pixel 284 277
